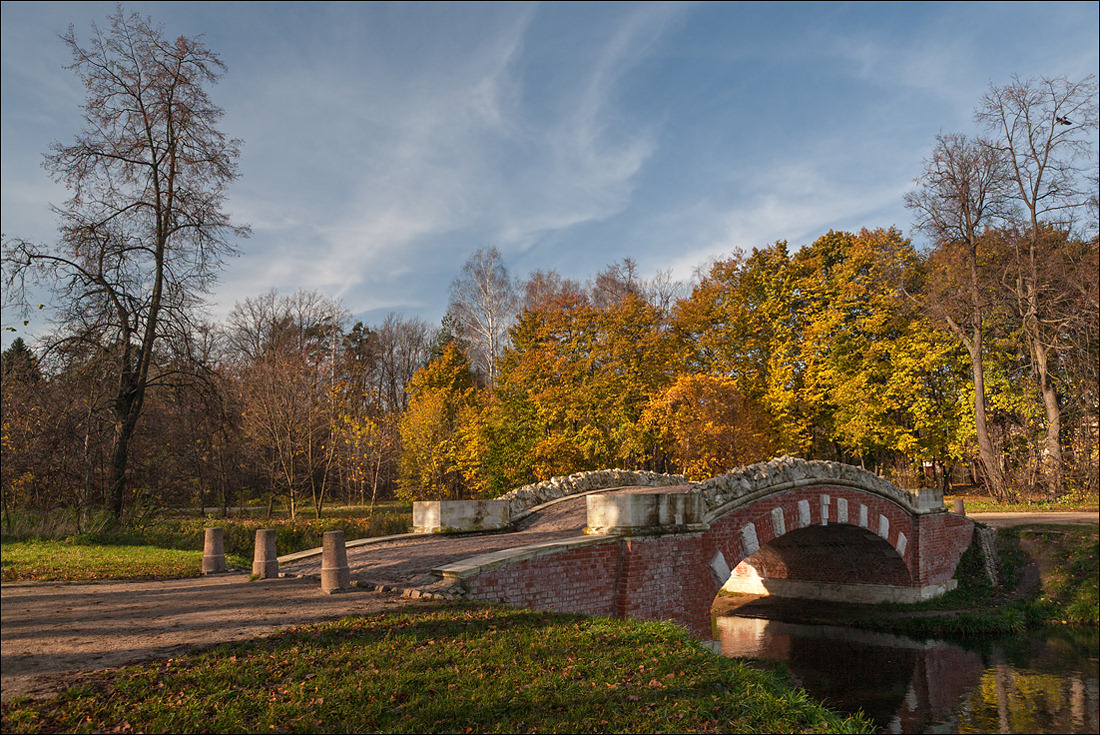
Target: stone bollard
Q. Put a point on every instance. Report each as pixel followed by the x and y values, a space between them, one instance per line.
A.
pixel 265 563
pixel 960 509
pixel 335 575
pixel 213 552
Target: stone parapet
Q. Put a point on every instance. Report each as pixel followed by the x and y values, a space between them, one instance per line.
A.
pixel 746 484
pixel 642 513
pixel 459 516
pixel 528 496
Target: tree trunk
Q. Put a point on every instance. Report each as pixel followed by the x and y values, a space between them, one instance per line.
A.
pixel 124 432
pixel 985 446
pixel 1051 460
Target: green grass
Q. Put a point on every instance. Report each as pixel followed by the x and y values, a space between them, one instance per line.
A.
pixel 1071 586
pixel 454 668
pixel 45 546
pixel 1070 580
pixel 61 561
pixel 977 504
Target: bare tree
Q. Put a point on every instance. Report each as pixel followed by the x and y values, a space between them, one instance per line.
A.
pixel 616 282
pixel 399 347
pixel 288 392
pixel 1044 128
pixel 960 194
pixel 484 301
pixel 543 286
pixel 145 229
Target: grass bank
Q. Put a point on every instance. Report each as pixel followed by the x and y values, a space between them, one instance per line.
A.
pixel 1047 575
pixel 454 668
pixel 44 561
pixel 986 504
pixel 46 547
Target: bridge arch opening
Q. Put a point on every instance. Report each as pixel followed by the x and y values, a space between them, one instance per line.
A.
pixel 822 562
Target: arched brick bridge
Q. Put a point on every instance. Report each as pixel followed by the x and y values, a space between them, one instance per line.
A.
pixel 656 547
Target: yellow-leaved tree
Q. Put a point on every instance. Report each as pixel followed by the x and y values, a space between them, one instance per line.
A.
pixel 709 427
pixel 437 461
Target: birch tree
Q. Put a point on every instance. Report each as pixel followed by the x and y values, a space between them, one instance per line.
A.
pixel 483 301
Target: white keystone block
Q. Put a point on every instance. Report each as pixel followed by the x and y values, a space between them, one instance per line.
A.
pixel 841 510
pixel 779 527
pixel 720 568
pixel 884 526
pixel 824 510
pixel 901 544
pixel 863 516
pixel 748 539
pixel 803 513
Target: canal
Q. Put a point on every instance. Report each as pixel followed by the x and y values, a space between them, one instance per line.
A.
pixel 1036 682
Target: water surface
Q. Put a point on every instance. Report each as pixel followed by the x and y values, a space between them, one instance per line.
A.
pixel 1037 682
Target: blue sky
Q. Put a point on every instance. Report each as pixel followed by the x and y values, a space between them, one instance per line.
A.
pixel 383 144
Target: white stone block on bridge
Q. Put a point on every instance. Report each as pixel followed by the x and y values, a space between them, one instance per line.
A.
pixel 803 513
pixel 644 513
pixel 779 527
pixel 459 516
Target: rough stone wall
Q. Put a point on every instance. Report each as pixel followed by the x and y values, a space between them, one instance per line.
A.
pixel 529 496
pixel 748 483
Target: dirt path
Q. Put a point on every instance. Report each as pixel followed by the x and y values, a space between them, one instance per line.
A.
pixel 1057 518
pixel 52 630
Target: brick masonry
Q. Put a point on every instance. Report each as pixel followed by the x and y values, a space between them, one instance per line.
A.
pixel 823 532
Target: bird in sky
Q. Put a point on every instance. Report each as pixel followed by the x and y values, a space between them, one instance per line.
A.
pixel 1062 120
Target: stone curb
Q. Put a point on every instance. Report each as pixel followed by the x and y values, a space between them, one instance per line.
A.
pixel 299 555
pixel 484 562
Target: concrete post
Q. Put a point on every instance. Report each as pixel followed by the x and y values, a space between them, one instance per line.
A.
pixel 335 575
pixel 960 509
pixel 213 551
pixel 265 564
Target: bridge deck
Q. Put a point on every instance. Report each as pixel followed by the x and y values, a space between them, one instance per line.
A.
pixel 409 561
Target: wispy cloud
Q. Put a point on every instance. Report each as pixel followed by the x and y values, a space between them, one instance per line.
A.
pixel 440 159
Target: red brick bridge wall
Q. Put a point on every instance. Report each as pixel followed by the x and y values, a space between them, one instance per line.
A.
pixel 668 576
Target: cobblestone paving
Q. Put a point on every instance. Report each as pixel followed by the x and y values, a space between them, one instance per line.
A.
pixel 409 561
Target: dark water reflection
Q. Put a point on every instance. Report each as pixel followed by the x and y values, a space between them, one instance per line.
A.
pixel 1039 682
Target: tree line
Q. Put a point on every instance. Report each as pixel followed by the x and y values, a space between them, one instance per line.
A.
pixel 972 359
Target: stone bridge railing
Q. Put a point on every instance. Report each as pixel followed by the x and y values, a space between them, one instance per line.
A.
pixel 486 515
pixel 744 485
pixel 719 494
pixel 524 498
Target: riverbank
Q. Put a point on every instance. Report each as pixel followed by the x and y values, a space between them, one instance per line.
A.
pixel 1047 574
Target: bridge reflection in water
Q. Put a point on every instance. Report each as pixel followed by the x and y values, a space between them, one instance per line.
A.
pixel 1033 683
